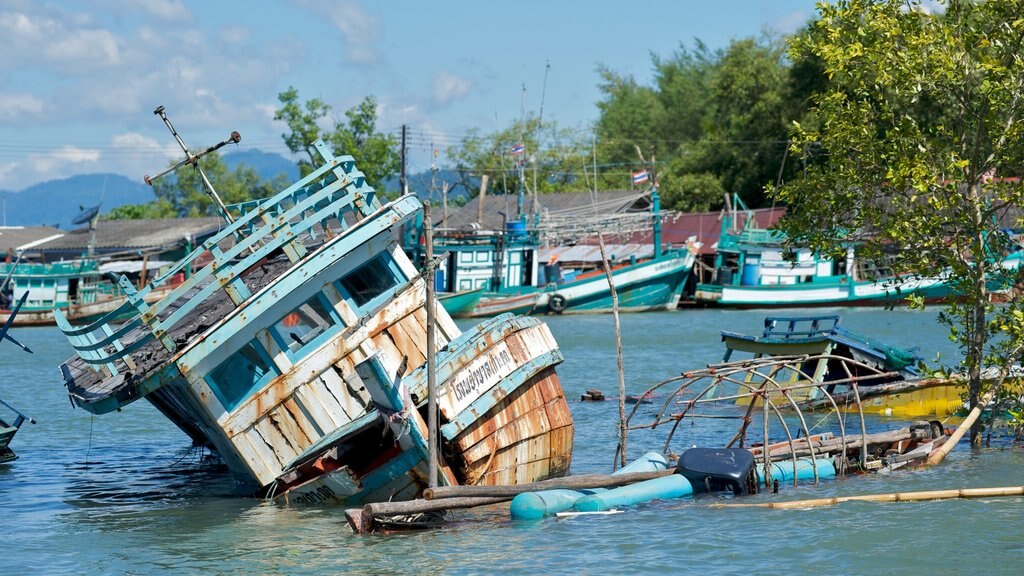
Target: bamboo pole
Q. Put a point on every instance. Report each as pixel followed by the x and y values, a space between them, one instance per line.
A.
pixel 965 493
pixel 577 482
pixel 418 506
pixel 940 454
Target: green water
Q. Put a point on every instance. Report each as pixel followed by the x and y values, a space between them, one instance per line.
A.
pixel 125 494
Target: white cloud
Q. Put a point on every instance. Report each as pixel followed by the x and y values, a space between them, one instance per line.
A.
pixel 6 169
pixel 52 162
pixel 37 39
pixel 168 10
pixel 19 107
pixel 360 29
pixel 791 22
pixel 449 87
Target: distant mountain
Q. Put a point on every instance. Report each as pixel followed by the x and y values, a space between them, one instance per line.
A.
pixel 57 202
pixel 267 164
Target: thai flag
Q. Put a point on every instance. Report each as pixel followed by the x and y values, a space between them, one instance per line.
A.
pixel 517 149
pixel 640 177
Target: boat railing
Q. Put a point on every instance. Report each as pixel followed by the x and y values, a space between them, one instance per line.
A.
pixel 787 327
pixel 330 192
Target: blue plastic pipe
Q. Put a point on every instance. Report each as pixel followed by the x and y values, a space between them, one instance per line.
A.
pixel 535 505
pixel 677 485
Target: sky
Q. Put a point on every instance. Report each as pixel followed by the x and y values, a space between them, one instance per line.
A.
pixel 79 80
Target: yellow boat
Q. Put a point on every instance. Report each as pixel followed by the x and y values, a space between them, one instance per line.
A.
pixel 825 366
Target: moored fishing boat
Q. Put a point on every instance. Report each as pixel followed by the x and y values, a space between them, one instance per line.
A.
pixel 298 354
pixel 653 284
pixel 460 303
pixel 752 270
pixel 77 288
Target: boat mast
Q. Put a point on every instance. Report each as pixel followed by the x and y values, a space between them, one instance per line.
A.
pixel 193 159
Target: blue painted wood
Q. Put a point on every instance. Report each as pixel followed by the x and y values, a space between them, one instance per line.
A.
pixel 339 433
pixel 506 386
pixel 331 190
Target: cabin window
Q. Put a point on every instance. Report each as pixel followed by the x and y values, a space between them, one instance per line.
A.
pixel 243 372
pixel 483 256
pixel 466 257
pixel 36 282
pixel 371 282
pixel 306 326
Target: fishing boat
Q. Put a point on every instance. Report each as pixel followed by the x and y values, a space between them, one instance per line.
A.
pixel 506 263
pixel 753 270
pixel 78 288
pixel 459 304
pixel 299 355
pixel 889 379
pixel 7 431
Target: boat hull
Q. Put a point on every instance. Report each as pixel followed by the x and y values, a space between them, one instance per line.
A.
pixel 653 285
pixel 461 304
pixel 819 294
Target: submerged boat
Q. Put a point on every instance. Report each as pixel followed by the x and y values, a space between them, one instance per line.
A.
pixel 889 380
pixel 298 354
pixel 752 270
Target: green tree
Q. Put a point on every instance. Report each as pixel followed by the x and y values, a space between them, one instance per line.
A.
pixel 376 154
pixel 553 158
pixel 149 210
pixel 184 194
pixel 921 109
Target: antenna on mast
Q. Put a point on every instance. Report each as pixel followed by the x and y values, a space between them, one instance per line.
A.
pixel 193 159
pixel 543 90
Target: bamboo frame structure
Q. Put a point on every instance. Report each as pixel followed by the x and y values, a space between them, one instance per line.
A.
pixel 772 381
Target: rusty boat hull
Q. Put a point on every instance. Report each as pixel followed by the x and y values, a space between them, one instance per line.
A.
pixel 298 354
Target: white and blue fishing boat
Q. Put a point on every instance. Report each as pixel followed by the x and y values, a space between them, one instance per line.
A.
pixel 299 354
pixel 508 265
pixel 752 271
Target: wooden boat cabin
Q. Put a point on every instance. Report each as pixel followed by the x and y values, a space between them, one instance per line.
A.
pixel 298 354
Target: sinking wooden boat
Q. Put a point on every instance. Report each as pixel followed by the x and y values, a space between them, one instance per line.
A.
pixel 298 354
pixel 889 380
pixel 8 430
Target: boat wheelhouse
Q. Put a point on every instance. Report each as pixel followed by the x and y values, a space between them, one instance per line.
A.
pixel 298 354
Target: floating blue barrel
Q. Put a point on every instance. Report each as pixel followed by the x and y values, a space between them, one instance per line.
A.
pixel 677 485
pixel 534 505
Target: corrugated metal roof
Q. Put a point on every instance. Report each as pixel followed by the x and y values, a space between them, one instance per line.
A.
pixel 140 235
pixel 562 202
pixel 15 238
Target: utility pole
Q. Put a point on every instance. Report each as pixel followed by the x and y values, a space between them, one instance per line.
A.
pixel 403 183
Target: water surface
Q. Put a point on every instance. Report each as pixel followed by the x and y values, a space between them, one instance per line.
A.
pixel 124 493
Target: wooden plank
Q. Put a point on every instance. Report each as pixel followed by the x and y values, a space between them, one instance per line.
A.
pixel 283 452
pixel 333 382
pixel 301 416
pixel 263 460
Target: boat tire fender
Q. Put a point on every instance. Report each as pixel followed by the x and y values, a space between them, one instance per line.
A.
pixel 556 303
